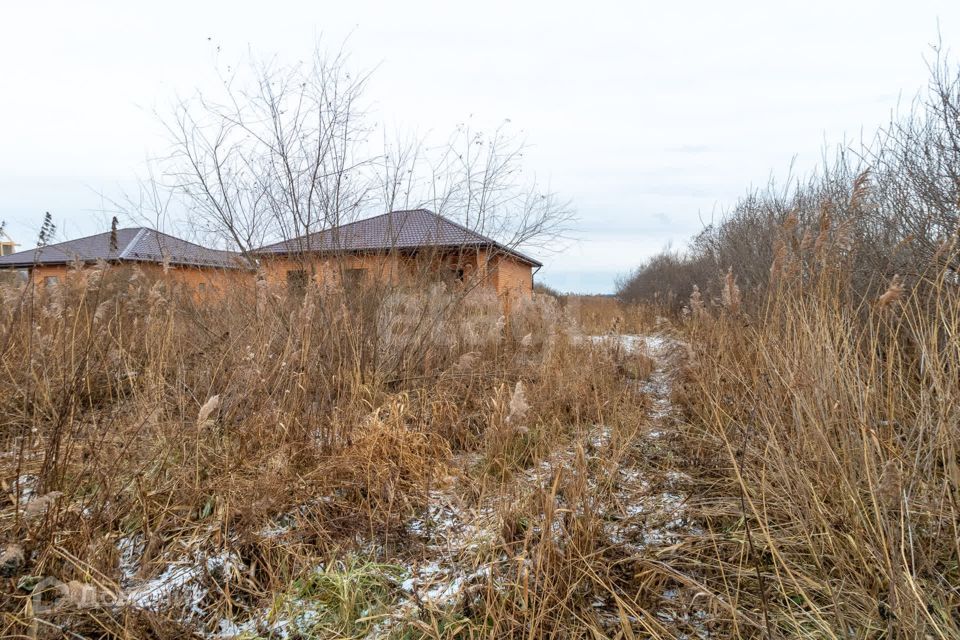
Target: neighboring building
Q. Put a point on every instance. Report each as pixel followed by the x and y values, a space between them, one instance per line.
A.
pixel 396 247
pixel 7 245
pixel 399 247
pixel 197 267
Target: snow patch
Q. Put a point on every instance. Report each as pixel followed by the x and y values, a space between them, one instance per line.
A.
pixel 27 485
pixel 131 553
pixel 183 584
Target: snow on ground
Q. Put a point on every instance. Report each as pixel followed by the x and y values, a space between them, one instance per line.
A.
pixel 654 344
pixel 448 536
pixel 453 537
pixel 131 551
pixel 295 620
pixel 26 484
pixel 182 584
pixel 179 582
pixel 655 518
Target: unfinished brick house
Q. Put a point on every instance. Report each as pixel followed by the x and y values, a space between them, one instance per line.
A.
pixel 400 247
pixel 198 268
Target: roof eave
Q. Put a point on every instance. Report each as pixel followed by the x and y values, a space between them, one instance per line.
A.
pixel 65 263
pixel 285 253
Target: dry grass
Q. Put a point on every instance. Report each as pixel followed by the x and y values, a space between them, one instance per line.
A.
pixel 257 465
pixel 823 436
pixel 820 390
pixel 414 465
pixel 599 315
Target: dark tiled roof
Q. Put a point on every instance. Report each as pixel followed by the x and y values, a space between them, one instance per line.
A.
pixel 402 230
pixel 132 245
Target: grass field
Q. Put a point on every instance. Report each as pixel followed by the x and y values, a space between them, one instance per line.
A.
pixel 260 467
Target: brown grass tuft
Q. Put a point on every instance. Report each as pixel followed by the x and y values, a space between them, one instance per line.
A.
pixel 893 293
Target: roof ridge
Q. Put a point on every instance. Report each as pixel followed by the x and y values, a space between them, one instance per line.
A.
pixel 162 235
pixel 485 238
pixel 133 241
pixel 63 242
pixel 466 228
pixel 136 244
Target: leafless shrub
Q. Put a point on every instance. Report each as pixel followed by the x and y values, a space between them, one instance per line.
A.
pixel 889 207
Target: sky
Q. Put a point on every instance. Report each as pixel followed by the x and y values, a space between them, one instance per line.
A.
pixel 651 117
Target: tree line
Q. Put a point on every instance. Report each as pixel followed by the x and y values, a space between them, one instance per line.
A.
pixel 886 208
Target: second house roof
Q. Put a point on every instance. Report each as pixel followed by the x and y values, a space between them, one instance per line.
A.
pixel 136 244
pixel 403 230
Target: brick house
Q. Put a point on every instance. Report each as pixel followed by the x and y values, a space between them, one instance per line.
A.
pixel 397 247
pixel 197 267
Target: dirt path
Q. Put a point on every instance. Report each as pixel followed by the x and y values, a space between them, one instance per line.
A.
pixel 647 511
pixel 651 493
pixel 656 492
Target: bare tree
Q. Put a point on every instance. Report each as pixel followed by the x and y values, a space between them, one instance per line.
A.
pixel 275 155
pixel 478 179
pixel 917 159
pixel 284 152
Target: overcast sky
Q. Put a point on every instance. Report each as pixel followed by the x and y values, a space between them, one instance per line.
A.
pixel 651 116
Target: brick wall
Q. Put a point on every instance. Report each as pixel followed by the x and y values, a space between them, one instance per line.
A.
pixel 202 281
pixel 328 271
pixel 514 279
pixel 509 277
pixel 40 274
pixel 194 279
